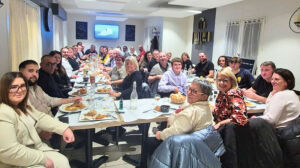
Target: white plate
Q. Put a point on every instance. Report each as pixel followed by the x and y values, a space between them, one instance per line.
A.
pixel 83 117
pixel 62 108
pixel 250 104
pixel 71 93
pixel 101 87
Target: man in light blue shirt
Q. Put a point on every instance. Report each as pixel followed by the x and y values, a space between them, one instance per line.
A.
pixel 174 80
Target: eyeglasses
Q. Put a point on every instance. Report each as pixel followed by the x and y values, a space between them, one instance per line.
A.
pixel 50 64
pixel 15 88
pixel 223 80
pixel 193 91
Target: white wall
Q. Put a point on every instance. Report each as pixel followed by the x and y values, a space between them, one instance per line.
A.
pixel 278 42
pixel 71 31
pixel 5 63
pixel 148 36
pixel 177 35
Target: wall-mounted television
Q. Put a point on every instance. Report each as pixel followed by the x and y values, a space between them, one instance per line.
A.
pixel 107 31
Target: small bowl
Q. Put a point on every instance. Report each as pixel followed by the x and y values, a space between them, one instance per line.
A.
pixel 164 108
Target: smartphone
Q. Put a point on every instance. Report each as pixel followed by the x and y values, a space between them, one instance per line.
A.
pixel 64 119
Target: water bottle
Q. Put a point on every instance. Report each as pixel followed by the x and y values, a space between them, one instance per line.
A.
pixel 133 97
pixel 121 104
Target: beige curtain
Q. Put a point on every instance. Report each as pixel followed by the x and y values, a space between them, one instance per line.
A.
pixel 25 34
pixel 58 34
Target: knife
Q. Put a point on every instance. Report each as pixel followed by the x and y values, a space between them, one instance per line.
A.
pixel 116 108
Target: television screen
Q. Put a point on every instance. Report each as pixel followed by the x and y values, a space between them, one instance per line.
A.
pixel 107 31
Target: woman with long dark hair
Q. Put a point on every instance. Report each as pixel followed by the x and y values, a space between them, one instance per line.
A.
pixel 60 75
pixel 20 144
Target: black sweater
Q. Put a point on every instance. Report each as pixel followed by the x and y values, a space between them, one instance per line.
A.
pixel 127 85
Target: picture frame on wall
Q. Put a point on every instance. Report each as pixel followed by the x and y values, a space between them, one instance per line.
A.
pixel 81 30
pixel 130 33
pixel 196 38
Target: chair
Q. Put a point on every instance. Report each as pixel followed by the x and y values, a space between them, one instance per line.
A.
pixel 146 91
pixel 297 93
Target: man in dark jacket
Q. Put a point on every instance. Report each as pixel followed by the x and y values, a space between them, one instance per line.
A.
pixel 46 81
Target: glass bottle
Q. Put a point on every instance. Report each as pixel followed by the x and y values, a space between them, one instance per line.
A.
pixel 133 97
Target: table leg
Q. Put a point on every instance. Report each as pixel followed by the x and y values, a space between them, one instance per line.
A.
pixel 90 163
pixel 145 130
pixel 89 148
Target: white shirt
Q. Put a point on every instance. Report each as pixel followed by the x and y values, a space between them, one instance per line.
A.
pixel 282 108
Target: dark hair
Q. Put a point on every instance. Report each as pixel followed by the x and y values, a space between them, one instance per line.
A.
pixel 269 63
pixel 60 69
pixel 45 56
pixel 226 60
pixel 5 84
pixel 176 59
pixel 288 76
pixel 23 64
pixel 145 56
pixel 53 52
pixel 235 60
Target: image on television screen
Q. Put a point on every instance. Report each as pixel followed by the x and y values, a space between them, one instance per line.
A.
pixel 106 31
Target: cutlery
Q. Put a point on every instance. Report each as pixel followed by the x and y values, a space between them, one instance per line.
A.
pixel 68 114
pixel 116 108
pixel 147 111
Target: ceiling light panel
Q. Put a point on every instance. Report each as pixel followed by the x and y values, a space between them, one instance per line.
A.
pixel 118 19
pixel 172 13
pixel 203 3
pixel 97 5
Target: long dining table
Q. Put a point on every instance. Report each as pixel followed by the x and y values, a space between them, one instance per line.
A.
pixel 144 113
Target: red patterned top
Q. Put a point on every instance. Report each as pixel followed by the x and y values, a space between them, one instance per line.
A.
pixel 231 105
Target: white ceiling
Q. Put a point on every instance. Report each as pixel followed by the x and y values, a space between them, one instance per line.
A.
pixel 141 8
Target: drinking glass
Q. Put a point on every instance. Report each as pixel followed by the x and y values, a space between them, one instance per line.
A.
pixel 156 98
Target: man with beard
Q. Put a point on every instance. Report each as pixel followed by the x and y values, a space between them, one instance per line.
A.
pixel 37 97
pixel 204 68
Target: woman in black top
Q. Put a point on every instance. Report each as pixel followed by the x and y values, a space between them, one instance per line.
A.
pixel 187 63
pixel 133 74
pixel 60 76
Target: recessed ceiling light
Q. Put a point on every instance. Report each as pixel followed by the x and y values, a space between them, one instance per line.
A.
pixel 194 11
pixel 119 19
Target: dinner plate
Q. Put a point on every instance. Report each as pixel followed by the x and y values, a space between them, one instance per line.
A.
pixel 103 90
pixel 249 104
pixel 87 115
pixel 62 108
pixel 71 93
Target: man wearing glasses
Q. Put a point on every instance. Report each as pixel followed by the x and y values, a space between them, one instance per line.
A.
pixel 46 81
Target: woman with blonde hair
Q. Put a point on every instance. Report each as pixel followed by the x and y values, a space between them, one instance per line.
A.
pixel 230 106
pixel 133 75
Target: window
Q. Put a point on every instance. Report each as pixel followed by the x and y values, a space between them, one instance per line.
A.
pixel 243 37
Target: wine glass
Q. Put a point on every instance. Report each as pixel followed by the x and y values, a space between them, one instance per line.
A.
pixel 156 98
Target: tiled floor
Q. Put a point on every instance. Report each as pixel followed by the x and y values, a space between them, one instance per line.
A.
pixel 129 144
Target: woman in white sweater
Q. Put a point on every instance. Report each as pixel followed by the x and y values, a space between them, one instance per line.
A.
pixel 282 104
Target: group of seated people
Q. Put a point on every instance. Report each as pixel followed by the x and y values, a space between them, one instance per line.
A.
pixel 29 100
